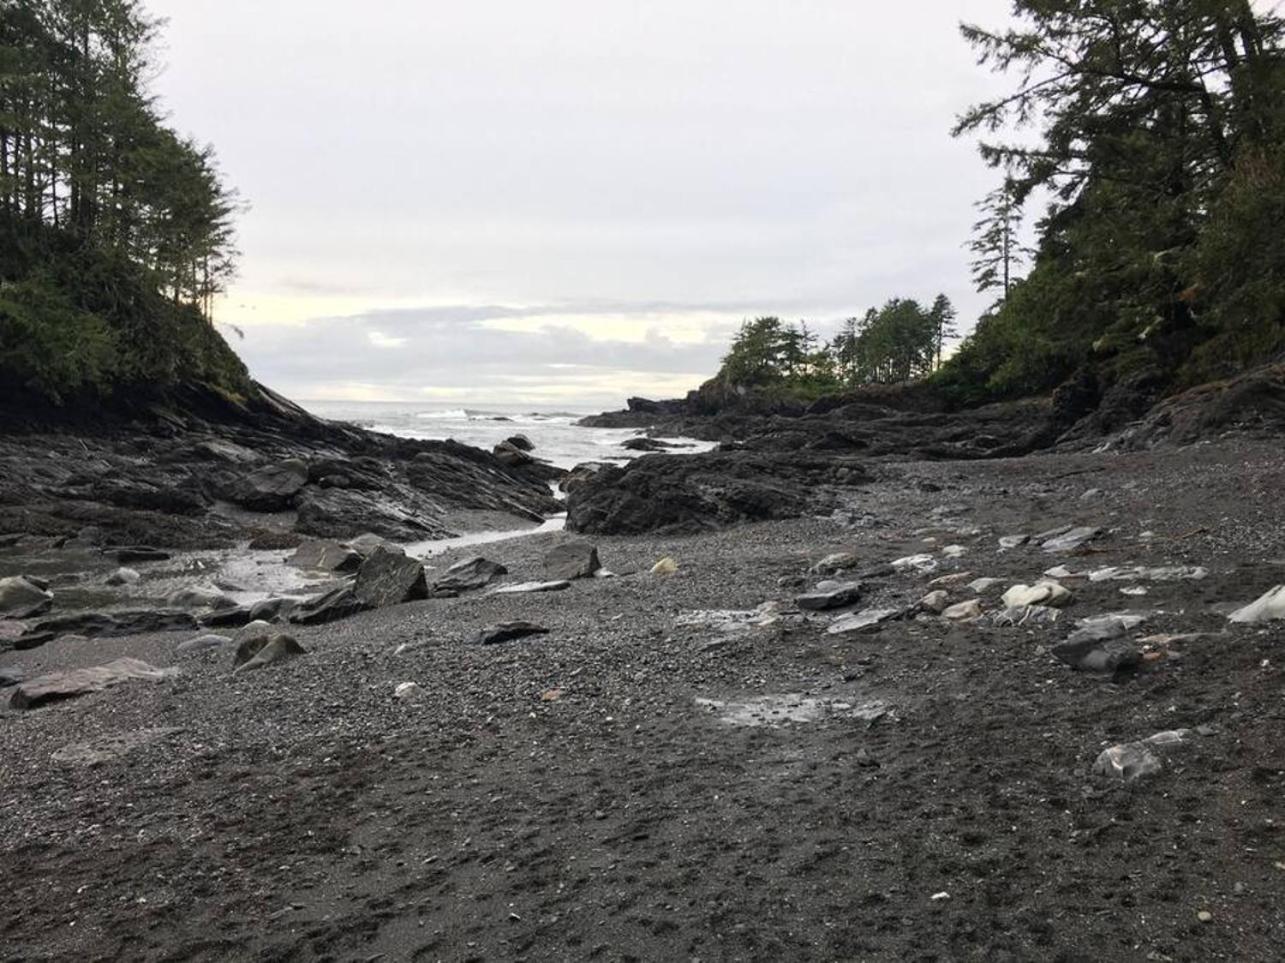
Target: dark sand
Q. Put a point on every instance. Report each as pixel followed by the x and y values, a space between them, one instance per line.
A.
pixel 301 812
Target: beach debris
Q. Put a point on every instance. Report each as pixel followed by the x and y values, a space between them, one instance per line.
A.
pixel 1270 606
pixel 1140 573
pixel 523 588
pixel 867 620
pixel 1131 761
pixel 571 560
pixel 1019 615
pixel 508 632
pixel 666 566
pixel 277 648
pixel 56 686
pixel 829 595
pixel 1043 592
pixel 469 574
pixel 1070 540
pixel 964 611
pixel 772 711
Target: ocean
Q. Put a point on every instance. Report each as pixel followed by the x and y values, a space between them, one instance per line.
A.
pixel 555 434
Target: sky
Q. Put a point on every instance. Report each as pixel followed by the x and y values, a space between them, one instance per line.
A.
pixel 573 201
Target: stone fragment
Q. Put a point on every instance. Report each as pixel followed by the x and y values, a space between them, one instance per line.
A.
pixel 1140 573
pixel 571 560
pixel 830 595
pixel 964 611
pixel 1269 607
pixel 271 488
pixel 935 602
pixel 202 643
pixel 1070 540
pixel 954 551
pixel 508 632
pixel 1083 651
pixel 407 691
pixel 1018 615
pixel 105 625
pixel 1013 541
pixel 867 620
pixel 56 686
pixel 123 576
pixel 916 563
pixel 523 588
pixel 666 566
pixel 339 603
pixel 199 597
pixel 836 562
pixel 983 585
pixel 1044 592
pixel 1131 761
pixel 277 648
pixel 955 578
pixel 137 553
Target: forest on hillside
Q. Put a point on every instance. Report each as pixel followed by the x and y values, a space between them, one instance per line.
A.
pixel 1145 142
pixel 115 231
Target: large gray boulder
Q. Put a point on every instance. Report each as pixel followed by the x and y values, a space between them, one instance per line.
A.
pixel 390 578
pixel 338 603
pixel 571 560
pixel 469 574
pixel 21 598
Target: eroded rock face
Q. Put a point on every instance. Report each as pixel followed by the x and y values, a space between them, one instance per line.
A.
pixel 707 491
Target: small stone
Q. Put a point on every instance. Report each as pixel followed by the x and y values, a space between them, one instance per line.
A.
pixel 523 588
pixel 1205 916
pixel 983 585
pixel 1070 540
pixel 935 602
pixel 954 551
pixel 830 595
pixel 1013 541
pixel 1269 607
pixel 1041 593
pixel 123 576
pixel 867 620
pixel 916 563
pixel 508 632
pixel 571 560
pixel 836 562
pixel 964 611
pixel 278 648
pixel 406 691
pixel 666 566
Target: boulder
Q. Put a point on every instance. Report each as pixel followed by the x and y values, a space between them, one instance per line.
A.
pixel 56 686
pixel 511 455
pixel 104 625
pixel 275 609
pixel 22 598
pixel 277 648
pixel 1268 607
pixel 468 575
pixel 1070 540
pixel 323 555
pixel 520 442
pixel 935 602
pixel 528 587
pixel 272 488
pixel 830 595
pixel 571 560
pixel 365 545
pixel 963 611
pixel 1044 592
pixel 338 603
pixel 390 578
pixel 123 576
pixel 508 631
pixel 341 513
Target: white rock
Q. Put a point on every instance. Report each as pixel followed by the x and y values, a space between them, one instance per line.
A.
pixel 955 578
pixel 983 585
pixel 864 621
pixel 1171 573
pixel 408 690
pixel 954 551
pixel 963 611
pixel 1013 541
pixel 917 563
pixel 1071 540
pixel 1045 592
pixel 1269 607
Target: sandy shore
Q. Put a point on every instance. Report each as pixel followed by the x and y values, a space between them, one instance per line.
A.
pixel 593 793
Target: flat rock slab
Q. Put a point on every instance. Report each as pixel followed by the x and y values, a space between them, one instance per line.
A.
pixel 1268 607
pixel 56 686
pixel 339 603
pixel 508 632
pixel 772 711
pixel 323 555
pixel 1070 540
pixel 571 560
pixel 202 643
pixel 867 620
pixel 525 587
pixel 390 578
pixel 830 595
pixel 103 625
pixel 138 553
pixel 105 749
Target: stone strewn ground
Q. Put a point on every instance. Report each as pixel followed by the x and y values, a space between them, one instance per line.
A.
pixel 583 794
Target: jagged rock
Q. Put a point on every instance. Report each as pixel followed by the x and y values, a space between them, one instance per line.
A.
pixel 408 691
pixel 228 618
pixel 469 574
pixel 103 625
pixel 867 620
pixel 520 442
pixel 365 545
pixel 964 611
pixel 123 576
pixel 56 686
pixel 508 631
pixel 340 513
pixel 528 587
pixel 511 455
pixel 274 609
pixel 255 630
pixel 935 602
pixel 571 560
pixel 338 603
pixel 323 555
pixel 830 595
pixel 272 488
pixel 1269 607
pixel 1131 761
pixel 1070 540
pixel 580 474
pixel 1045 592
pixel 390 578
pixel 278 648
pixel 22 598
pixel 642 443
pixel 202 643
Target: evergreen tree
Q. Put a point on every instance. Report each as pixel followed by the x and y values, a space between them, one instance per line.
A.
pixel 943 316
pixel 996 246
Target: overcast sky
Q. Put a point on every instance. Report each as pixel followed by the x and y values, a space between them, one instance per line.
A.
pixel 571 201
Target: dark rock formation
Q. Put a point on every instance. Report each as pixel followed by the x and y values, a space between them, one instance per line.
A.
pixel 103 625
pixel 571 560
pixel 467 575
pixel 390 578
